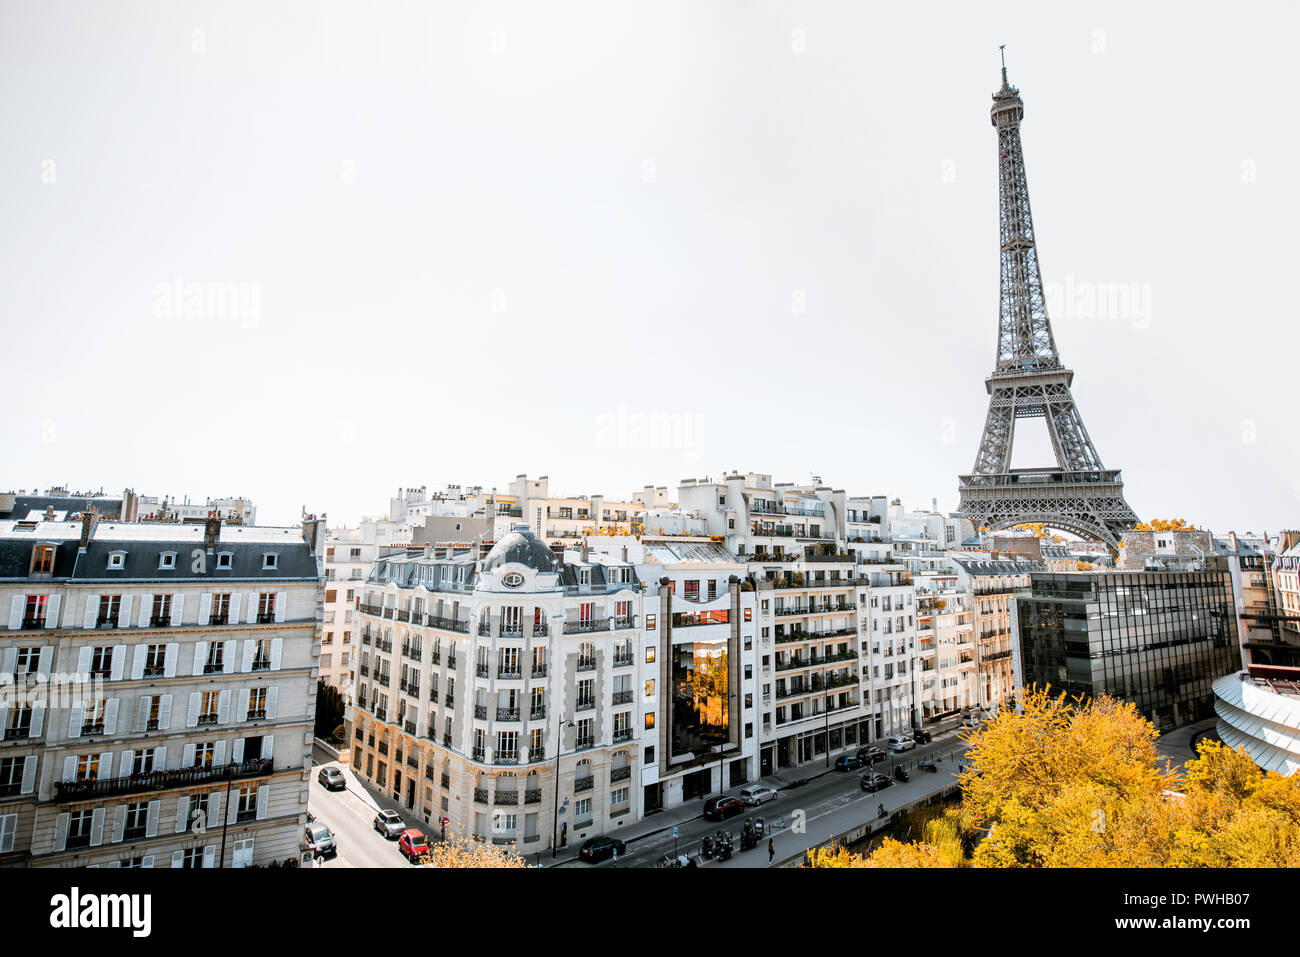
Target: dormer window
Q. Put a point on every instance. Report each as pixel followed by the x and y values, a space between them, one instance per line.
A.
pixel 167 560
pixel 43 559
pixel 116 560
pixel 225 560
pixel 584 576
pixel 270 560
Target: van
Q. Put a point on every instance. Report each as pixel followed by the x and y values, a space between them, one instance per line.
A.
pixel 757 794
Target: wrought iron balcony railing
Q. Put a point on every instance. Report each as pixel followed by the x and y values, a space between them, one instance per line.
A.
pixel 158 780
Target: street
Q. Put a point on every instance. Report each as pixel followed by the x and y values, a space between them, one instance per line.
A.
pixel 349 815
pixel 831 803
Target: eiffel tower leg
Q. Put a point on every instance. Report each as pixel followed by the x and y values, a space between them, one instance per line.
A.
pixel 999 434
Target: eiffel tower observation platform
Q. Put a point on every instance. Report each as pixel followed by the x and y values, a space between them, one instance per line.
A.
pixel 1087 502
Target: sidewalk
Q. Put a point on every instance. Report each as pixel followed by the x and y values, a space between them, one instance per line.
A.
pixel 1179 745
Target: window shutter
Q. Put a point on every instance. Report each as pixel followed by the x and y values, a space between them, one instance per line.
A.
pixel 214 810
pixel 4 716
pixel 277 644
pixel 83 661
pixel 178 858
pixel 10 661
pixel 223 706
pixel 38 718
pixel 75 715
pixel 192 719
pixel 16 612
pixel 52 611
pixel 137 662
pixel 165 712
pixel 247 664
pixel 251 618
pixel 43 662
pixel 97 827
pixel 219 754
pixel 61 831
pixel 119 823
pixel 268 747
pixel 70 768
pixel 160 758
pixel 119 662
pixel 106 764
pixel 110 715
pixel 272 702
pixel 263 802
pixel 92 612
pixel 178 604
pixel 205 608
pixel 182 814
pixel 228 657
pixel 281 599
pixel 142 714
pixel 237 751
pixel 187 756
pixel 200 657
pixel 151 825
pixel 173 652
pixel 234 807
pixel 235 599
pixel 210 856
pixel 146 609
pixel 8 828
pixel 241 706
pixel 124 613
pixel 29 774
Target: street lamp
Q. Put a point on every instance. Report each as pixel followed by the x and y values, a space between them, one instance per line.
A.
pixel 722 755
pixel 555 817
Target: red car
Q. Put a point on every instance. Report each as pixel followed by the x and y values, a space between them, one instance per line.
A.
pixel 720 808
pixel 412 844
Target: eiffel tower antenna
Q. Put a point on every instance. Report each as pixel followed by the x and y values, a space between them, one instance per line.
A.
pixel 1029 381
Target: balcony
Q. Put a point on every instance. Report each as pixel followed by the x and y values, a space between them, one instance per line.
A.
pixel 449 624
pixel 479 754
pixel 622 697
pixel 33 621
pixel 583 784
pixel 511 631
pixel 507 714
pixel 509 674
pixel 157 621
pixel 586 627
pixel 254 714
pixel 584 744
pixel 409 728
pixel 506 757
pixel 446 743
pixel 507 797
pixel 480 794
pixel 623 661
pixel 485 630
pixel 535 755
pixel 402 615
pixel 381 714
pixel 585 704
pixel 385 680
pixel 620 774
pixel 480 711
pixel 108 621
pixel 154 671
pixel 481 670
pixel 410 688
pixel 388 612
pixel 541 630
pixel 445 780
pixel 625 621
pixel 622 734
pixel 449 700
pixel 435 657
pixel 158 780
pixel 415 654
pixel 586 664
pixel 539 671
pixel 533 796
pixel 537 714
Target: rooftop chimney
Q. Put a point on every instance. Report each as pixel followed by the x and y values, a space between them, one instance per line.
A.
pixel 88 520
pixel 211 530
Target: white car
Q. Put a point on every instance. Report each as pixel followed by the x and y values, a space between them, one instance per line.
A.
pixel 970 721
pixel 901 744
pixel 757 794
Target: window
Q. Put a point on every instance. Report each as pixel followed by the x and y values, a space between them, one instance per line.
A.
pixel 266 607
pixel 225 560
pixel 208 707
pixel 649 654
pixel 167 560
pixel 220 609
pixel 143 762
pixel 246 803
pixel 256 704
pixel 11 775
pixel 162 611
pixel 215 662
pixel 649 720
pixel 101 661
pixel 155 660
pixel 137 821
pixel 116 559
pixel 79 825
pixel 243 853
pixel 205 753
pixel 649 626
pixel 262 655
pixel 650 755
pixel 43 559
pixel 692 590
pixel 649 687
pixel 270 560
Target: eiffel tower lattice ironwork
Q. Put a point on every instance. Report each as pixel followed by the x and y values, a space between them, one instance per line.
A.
pixel 1078 495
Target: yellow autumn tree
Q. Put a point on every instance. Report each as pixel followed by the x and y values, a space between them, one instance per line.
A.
pixel 1162 525
pixel 460 852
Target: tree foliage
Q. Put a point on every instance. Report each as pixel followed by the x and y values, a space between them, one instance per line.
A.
pixel 329 709
pixel 460 851
pixel 1072 783
pixel 1162 525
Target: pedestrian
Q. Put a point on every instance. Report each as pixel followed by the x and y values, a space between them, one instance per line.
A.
pixel 771 850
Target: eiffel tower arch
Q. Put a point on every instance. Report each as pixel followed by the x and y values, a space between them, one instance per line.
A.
pixel 1079 494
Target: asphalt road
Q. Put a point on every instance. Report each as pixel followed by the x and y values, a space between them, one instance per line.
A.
pixel 349 814
pixel 832 802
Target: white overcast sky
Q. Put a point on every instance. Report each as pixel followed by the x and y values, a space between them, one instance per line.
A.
pixel 626 243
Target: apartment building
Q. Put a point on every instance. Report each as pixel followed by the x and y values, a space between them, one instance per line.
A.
pixel 503 691
pixel 157 692
pixel 1251 560
pixel 992 587
pixel 1286 583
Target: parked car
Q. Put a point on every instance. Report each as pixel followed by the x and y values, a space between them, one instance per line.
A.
pixel 901 744
pixel 848 762
pixel 412 844
pixel 720 808
pixel 873 781
pixel 320 839
pixel 332 779
pixel 757 794
pixel 971 721
pixel 872 754
pixel 922 737
pixel 600 847
pixel 389 824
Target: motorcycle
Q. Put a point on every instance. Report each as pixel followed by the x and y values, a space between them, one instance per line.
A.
pixel 707 848
pixel 900 774
pixel 930 766
pixel 724 845
pixel 748 837
pixel 669 861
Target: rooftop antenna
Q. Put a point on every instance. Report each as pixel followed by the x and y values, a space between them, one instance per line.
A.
pixel 1002 49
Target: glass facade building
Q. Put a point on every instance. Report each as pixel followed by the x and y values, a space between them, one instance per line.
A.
pixel 1157 639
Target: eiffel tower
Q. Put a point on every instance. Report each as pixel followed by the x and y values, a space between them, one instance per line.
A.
pixel 1078 495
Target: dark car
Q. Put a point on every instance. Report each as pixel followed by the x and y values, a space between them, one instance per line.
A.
pixel 871 754
pixel 922 737
pixel 332 779
pixel 873 781
pixel 600 847
pixel 413 844
pixel 720 808
pixel 848 762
